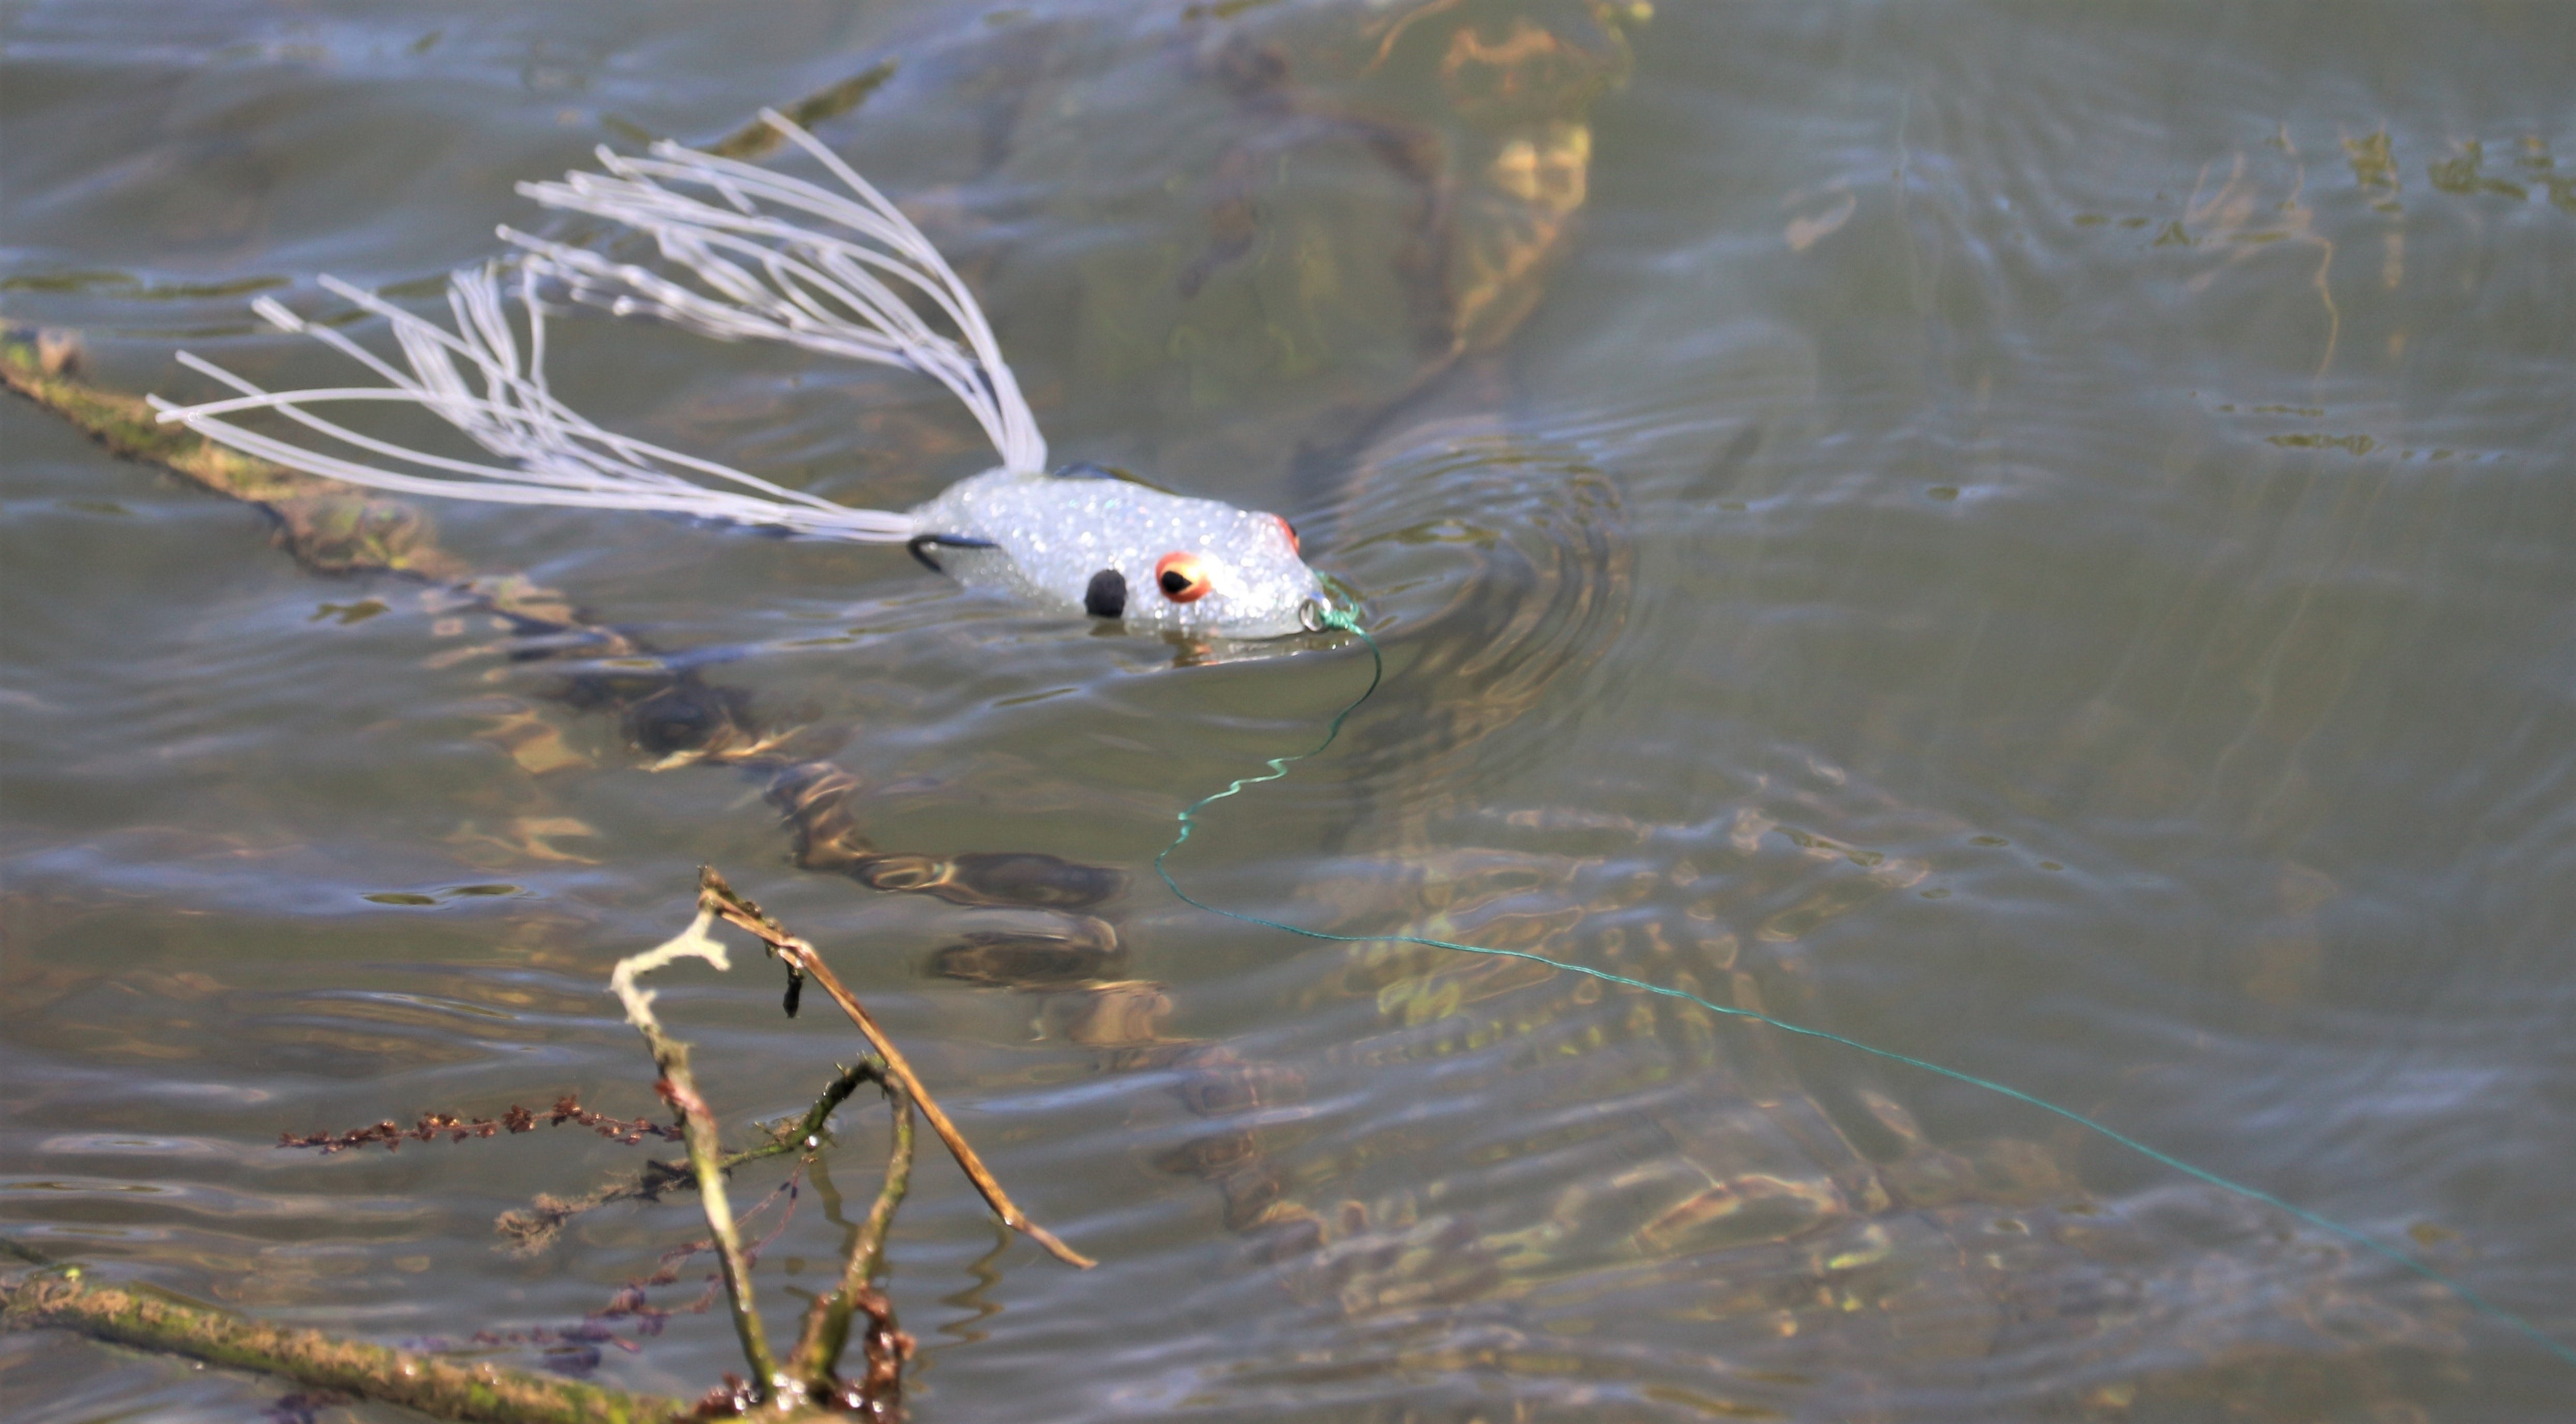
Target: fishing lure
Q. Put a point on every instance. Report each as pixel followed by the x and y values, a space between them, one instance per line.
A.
pixel 1074 540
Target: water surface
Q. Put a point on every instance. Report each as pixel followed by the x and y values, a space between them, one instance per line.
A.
pixel 2039 541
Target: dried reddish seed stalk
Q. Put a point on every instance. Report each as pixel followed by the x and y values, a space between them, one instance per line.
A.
pixel 432 1125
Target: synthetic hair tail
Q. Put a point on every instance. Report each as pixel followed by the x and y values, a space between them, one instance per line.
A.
pixel 760 274
pixel 498 397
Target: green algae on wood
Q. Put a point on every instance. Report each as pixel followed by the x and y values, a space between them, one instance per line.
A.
pixel 328 527
pixel 480 1391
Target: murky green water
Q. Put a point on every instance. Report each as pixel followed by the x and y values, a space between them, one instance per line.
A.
pixel 2040 541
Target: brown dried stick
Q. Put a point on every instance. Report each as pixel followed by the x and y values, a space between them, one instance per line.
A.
pixel 718 897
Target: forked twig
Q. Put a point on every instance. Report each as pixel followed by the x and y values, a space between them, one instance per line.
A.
pixel 679 1088
pixel 718 898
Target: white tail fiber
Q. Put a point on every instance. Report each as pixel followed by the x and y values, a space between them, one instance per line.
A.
pixel 767 277
pixel 823 293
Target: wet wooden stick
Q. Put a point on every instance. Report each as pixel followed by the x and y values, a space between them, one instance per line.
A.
pixel 717 896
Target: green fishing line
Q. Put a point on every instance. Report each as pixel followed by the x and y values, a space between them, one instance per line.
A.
pixel 1336 618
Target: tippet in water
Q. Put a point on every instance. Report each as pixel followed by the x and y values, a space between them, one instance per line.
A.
pixel 1076 540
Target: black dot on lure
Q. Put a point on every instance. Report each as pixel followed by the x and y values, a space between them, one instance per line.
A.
pixel 1107 595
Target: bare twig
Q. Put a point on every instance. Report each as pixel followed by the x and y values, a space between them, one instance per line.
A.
pixel 715 897
pixel 679 1088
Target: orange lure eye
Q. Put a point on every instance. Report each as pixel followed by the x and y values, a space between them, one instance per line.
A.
pixel 1290 530
pixel 1181 577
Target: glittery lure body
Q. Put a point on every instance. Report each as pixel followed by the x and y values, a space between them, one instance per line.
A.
pixel 1051 539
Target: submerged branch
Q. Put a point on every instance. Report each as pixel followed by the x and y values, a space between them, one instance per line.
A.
pixel 715 897
pixel 58 1296
pixel 480 1391
pixel 329 527
pixel 760 137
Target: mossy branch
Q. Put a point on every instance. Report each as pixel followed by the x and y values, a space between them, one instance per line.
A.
pixel 67 1299
pixel 827 1322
